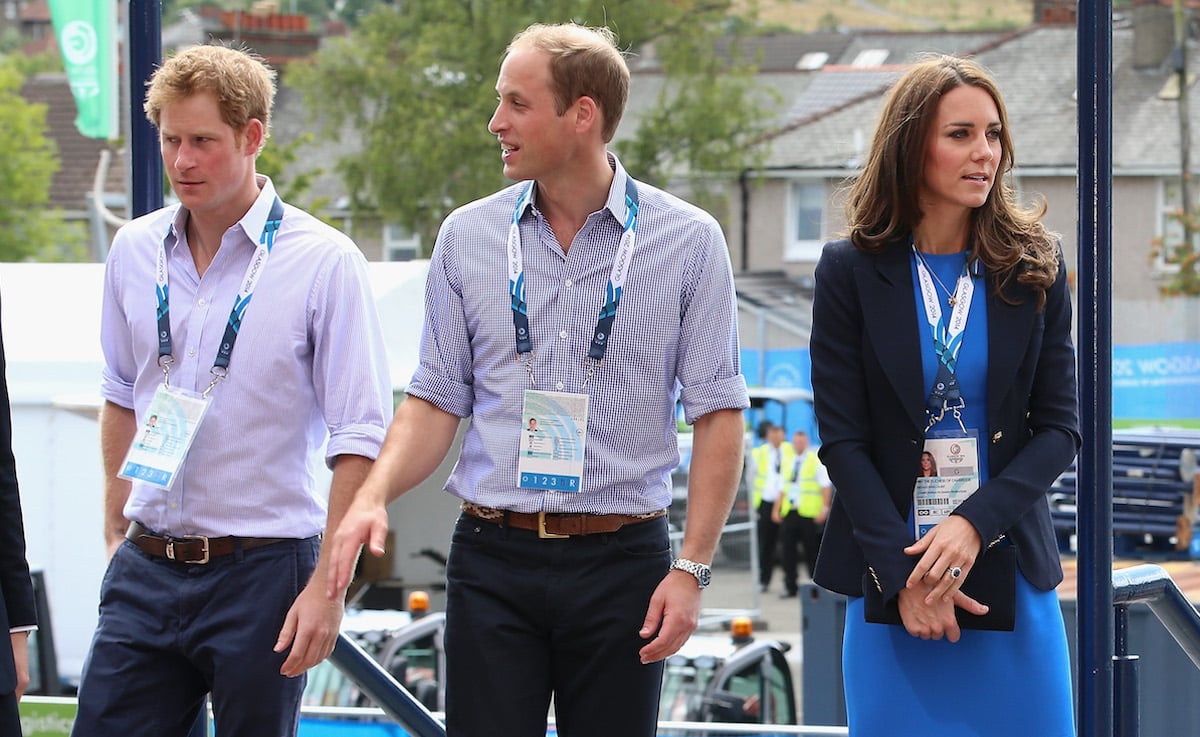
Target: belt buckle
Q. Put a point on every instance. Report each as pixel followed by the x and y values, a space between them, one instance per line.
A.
pixel 187 538
pixel 542 533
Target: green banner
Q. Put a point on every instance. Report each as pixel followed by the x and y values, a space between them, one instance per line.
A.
pixel 47 717
pixel 84 29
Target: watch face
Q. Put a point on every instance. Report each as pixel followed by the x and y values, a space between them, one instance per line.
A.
pixel 704 576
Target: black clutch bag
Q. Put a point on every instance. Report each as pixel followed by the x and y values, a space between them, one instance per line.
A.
pixel 992 581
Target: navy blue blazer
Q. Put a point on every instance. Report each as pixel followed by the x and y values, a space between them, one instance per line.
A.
pixel 16 588
pixel 870 398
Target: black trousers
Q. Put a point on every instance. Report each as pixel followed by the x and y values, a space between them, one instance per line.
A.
pixel 528 619
pixel 796 530
pixel 768 543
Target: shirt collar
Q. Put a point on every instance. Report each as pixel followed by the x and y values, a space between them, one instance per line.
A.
pixel 251 224
pixel 615 203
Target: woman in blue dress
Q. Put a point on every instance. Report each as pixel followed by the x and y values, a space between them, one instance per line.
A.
pixel 943 325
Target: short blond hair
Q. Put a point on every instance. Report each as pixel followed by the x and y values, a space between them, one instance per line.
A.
pixel 583 62
pixel 240 79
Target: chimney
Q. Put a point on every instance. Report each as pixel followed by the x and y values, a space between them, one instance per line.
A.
pixel 1054 12
pixel 1153 33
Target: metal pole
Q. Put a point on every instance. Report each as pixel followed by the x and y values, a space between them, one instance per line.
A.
pixel 1126 718
pixel 1095 610
pixel 145 53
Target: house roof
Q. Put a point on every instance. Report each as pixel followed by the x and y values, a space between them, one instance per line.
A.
pixel 1035 69
pixel 785 297
pixel 79 156
pixel 878 48
pixel 789 52
pixel 37 11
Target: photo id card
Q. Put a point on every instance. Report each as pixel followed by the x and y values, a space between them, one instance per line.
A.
pixel 553 433
pixel 947 475
pixel 163 440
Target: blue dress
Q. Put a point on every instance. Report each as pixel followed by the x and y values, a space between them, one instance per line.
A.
pixel 1001 684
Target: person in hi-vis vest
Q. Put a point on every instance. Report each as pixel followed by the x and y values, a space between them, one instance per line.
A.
pixel 770 461
pixel 801 511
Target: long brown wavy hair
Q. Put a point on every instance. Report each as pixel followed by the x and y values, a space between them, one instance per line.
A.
pixel 883 206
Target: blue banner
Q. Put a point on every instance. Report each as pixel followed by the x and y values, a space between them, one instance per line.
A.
pixel 785 368
pixel 1159 381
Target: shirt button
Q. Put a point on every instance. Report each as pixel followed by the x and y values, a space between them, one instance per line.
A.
pixel 562 334
pixel 559 386
pixel 200 302
pixel 569 282
pixel 191 351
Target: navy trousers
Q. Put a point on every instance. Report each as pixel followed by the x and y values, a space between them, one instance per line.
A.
pixel 528 619
pixel 10 715
pixel 169 633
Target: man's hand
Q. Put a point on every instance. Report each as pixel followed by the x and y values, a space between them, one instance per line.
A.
pixel 673 614
pixel 365 523
pixel 310 629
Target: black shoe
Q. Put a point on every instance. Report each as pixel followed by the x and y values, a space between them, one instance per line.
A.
pixel 763 588
pixel 789 595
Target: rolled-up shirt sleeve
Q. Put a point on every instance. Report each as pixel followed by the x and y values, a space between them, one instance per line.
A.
pixel 709 353
pixel 116 340
pixel 443 376
pixel 350 365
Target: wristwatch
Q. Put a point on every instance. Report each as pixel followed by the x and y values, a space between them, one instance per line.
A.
pixel 702 572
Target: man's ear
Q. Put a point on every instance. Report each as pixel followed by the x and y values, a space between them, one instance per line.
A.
pixel 254 135
pixel 587 114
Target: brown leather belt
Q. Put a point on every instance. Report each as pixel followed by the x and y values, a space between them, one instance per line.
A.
pixel 195 549
pixel 558 525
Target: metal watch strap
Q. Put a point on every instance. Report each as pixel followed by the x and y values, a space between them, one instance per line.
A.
pixel 701 572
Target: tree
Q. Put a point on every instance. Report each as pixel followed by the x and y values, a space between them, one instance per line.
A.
pixel 277 157
pixel 28 161
pixel 415 82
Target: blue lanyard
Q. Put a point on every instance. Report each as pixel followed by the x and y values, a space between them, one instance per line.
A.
pixel 947 339
pixel 253 272
pixel 612 292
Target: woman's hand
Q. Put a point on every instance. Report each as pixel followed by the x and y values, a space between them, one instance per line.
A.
pixel 949 548
pixel 932 621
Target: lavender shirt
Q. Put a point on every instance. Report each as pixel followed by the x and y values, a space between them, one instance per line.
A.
pixel 308 379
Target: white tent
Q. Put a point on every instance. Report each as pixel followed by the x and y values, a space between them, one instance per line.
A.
pixel 51 320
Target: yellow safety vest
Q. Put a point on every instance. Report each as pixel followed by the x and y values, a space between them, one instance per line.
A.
pixel 810 498
pixel 762 467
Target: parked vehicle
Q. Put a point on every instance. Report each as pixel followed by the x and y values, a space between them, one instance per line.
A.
pixel 713 678
pixel 729 679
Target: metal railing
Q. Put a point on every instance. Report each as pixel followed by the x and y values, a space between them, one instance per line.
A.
pixel 379 686
pixel 1153 586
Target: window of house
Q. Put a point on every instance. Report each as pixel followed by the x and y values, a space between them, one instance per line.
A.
pixel 400 243
pixel 812 61
pixel 870 58
pixel 806 216
pixel 1170 229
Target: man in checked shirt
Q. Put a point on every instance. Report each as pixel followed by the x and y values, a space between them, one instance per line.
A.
pixel 618 301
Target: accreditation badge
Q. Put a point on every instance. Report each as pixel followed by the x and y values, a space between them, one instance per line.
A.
pixel 553 433
pixel 947 475
pixel 163 440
